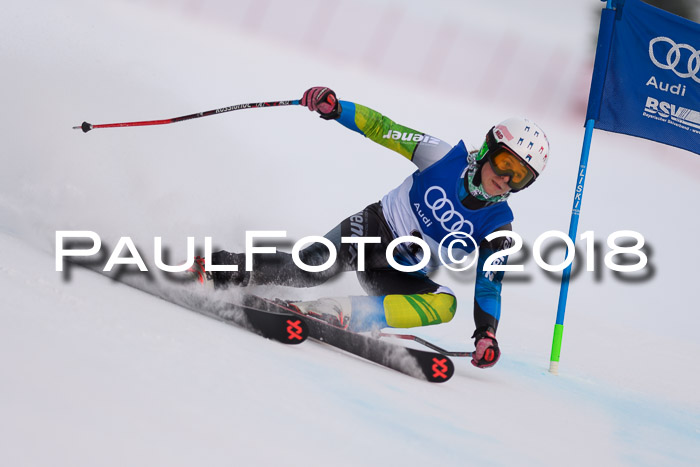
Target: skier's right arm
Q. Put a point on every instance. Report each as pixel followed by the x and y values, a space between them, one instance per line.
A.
pixel 420 148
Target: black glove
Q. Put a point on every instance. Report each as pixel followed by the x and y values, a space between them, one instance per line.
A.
pixel 323 101
pixel 487 352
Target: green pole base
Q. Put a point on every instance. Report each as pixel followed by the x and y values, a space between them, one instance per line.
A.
pixel 556 349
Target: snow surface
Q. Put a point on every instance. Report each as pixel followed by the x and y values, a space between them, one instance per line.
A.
pixel 96 373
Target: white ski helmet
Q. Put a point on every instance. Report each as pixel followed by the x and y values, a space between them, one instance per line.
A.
pixel 521 137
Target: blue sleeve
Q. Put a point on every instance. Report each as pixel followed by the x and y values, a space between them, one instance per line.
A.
pixel 487 292
pixel 347 116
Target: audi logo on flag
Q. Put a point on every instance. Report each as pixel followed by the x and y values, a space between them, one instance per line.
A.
pixel 672 59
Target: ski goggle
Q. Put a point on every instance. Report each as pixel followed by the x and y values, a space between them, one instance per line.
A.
pixel 504 162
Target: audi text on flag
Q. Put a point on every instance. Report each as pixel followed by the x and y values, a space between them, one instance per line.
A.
pixel 650 85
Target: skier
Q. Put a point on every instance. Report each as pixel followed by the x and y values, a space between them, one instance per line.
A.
pixel 452 192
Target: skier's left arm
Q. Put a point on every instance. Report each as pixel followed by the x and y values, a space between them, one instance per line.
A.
pixel 487 302
pixel 418 147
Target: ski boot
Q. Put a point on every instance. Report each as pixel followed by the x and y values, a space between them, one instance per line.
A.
pixel 199 274
pixel 334 311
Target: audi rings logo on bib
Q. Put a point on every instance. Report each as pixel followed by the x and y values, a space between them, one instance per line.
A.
pixel 444 212
pixel 674 59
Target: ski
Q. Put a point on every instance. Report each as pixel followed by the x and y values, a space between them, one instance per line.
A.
pixel 276 319
pixel 267 319
pixel 271 321
pixel 422 364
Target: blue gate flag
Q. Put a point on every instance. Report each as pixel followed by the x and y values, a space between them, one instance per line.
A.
pixel 647 83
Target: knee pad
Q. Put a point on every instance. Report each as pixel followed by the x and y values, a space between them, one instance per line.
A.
pixel 407 311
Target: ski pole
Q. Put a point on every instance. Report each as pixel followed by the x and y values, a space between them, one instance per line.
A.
pixel 422 341
pixel 89 126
